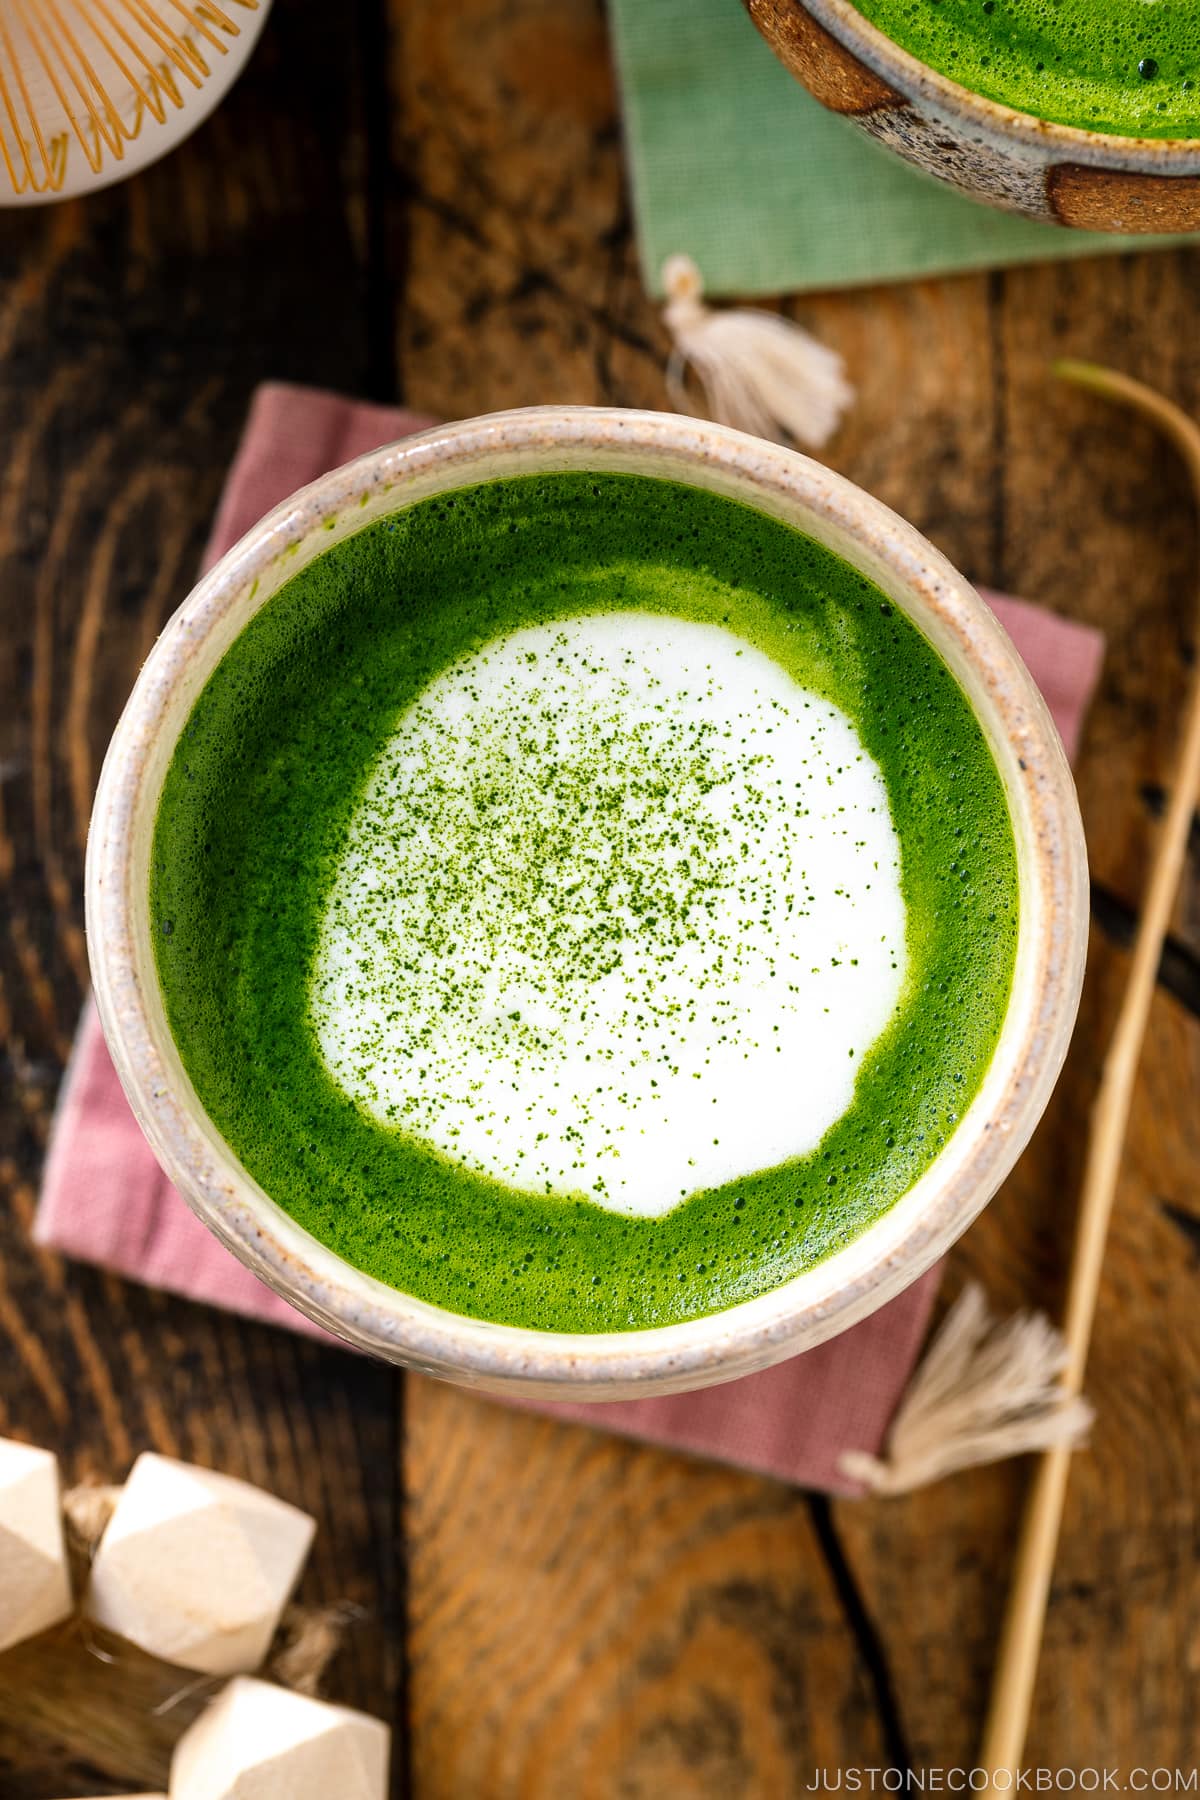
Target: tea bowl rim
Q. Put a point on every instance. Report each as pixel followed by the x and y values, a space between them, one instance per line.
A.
pixel 823 1300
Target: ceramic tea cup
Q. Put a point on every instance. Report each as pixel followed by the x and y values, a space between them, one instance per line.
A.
pixel 888 1254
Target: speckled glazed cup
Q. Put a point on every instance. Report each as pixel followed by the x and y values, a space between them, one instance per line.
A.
pixel 812 1306
pixel 1013 160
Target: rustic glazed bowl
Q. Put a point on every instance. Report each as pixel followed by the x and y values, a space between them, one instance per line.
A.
pixel 1013 160
pixel 810 1307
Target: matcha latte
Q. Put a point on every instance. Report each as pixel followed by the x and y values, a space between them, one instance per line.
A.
pixel 583 902
pixel 1129 67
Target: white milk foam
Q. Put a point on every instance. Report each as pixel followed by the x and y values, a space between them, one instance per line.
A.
pixel 618 917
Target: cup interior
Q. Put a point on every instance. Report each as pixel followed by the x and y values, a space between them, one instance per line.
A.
pixel 824 1300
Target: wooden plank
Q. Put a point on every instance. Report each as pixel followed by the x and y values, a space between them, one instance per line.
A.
pixel 133 328
pixel 521 282
pixel 592 1619
pixel 1097 522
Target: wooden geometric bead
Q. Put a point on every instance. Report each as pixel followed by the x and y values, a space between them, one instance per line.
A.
pixel 259 1742
pixel 196 1567
pixel 35 1586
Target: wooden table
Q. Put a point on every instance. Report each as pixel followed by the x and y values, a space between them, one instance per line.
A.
pixel 426 200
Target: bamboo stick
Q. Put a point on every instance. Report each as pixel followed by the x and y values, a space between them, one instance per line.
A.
pixel 1020 1641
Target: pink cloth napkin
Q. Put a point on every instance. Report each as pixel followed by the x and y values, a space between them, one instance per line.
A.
pixel 105 1200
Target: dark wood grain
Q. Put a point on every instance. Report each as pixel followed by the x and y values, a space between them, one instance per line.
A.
pixel 133 329
pixel 549 1611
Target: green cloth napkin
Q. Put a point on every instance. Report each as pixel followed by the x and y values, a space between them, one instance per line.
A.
pixel 734 163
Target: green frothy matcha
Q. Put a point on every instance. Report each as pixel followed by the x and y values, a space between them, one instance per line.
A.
pixel 256 814
pixel 1126 66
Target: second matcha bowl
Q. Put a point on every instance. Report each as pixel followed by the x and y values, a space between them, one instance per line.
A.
pixel 825 1299
pixel 1094 180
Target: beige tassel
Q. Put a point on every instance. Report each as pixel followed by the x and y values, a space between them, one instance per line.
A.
pixel 984 1390
pixel 760 372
